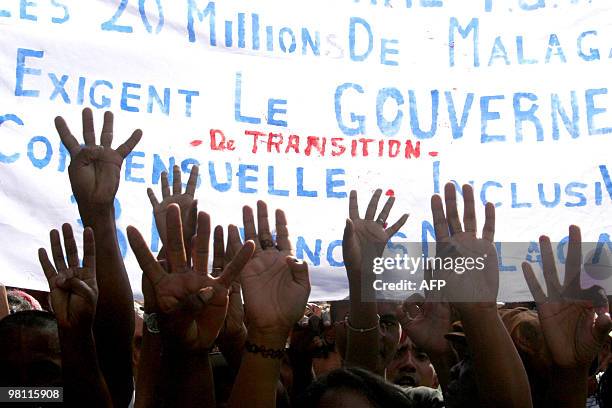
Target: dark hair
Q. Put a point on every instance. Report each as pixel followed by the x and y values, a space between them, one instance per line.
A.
pixel 378 391
pixel 17 303
pixel 30 319
pixel 604 392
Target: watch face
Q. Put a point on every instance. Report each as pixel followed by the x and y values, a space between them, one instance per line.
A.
pixel 150 321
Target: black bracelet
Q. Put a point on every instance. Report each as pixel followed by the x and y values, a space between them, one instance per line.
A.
pixel 265 352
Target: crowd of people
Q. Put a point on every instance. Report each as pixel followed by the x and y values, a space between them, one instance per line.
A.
pixel 238 331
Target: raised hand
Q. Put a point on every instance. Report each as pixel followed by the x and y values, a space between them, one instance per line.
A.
pixel 74 291
pixel 275 285
pixel 193 304
pixel 575 321
pixel 94 170
pixel 234 327
pixel 186 202
pixel 476 282
pixel 365 238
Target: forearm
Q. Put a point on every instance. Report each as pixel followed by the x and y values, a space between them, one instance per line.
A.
pixel 501 377
pixel 568 387
pixel 84 384
pixel 303 375
pixel 189 379
pixel 257 379
pixel 361 347
pixel 149 381
pixel 114 324
pixel 232 349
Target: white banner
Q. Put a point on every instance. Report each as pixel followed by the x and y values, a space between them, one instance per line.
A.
pixel 298 102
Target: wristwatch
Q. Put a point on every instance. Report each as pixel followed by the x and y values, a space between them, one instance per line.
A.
pixel 150 321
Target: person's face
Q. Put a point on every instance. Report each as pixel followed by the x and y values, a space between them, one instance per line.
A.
pixel 411 367
pixel 390 333
pixel 30 357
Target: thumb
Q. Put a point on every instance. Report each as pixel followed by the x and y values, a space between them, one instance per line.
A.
pixel 299 270
pixel 348 241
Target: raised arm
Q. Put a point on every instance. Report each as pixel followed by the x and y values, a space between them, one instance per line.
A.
pixel 94 173
pixel 276 288
pixel 74 293
pixel 500 375
pixel 191 305
pixel 364 239
pixel 575 321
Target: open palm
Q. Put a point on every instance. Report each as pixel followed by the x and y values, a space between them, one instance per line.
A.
pixel 275 285
pixel 74 291
pixel 575 321
pixel 94 170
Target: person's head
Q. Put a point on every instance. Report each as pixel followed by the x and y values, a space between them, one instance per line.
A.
pixel 390 332
pixel 30 350
pixel 524 328
pixel 411 367
pixel 20 301
pixel 354 388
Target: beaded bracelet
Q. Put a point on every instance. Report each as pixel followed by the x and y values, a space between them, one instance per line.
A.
pixel 265 352
pixel 346 321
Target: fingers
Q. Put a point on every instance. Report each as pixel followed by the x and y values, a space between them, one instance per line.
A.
pixel 549 269
pixel 532 283
pixel 282 233
pixel 249 226
pixel 46 265
pixel 152 198
pixel 89 249
pixel 392 230
pixel 353 206
pixel 384 213
pixel 106 139
pixel 348 241
pixel 89 135
pixel 202 240
pixel 371 211
pixel 129 144
pixel 299 270
pixel 573 264
pixel 165 186
pixel 56 251
pixel 71 248
pixel 193 181
pixel 218 251
pixel 469 212
pixel 452 216
pixel 263 226
pixel 488 230
pixel 440 224
pixel 176 180
pixel 68 140
pixel 152 270
pixel 233 242
pixel 233 269
pixel 174 235
pixel 78 287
